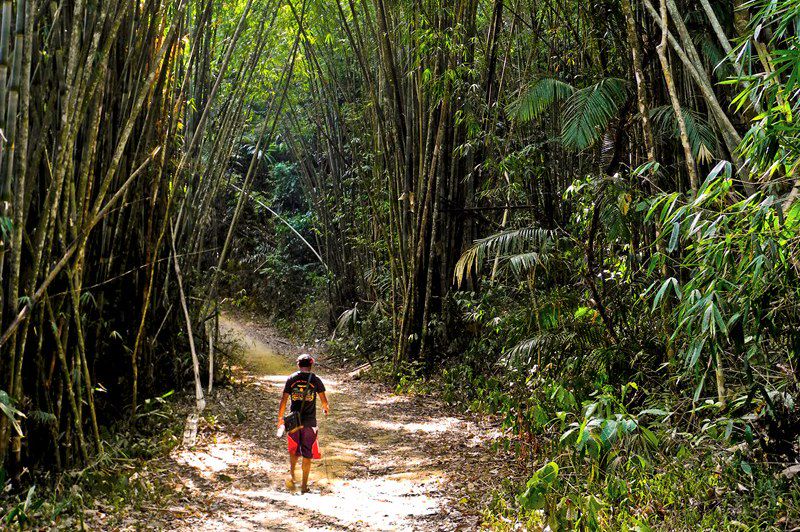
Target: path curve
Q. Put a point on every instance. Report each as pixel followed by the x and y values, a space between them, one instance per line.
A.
pixel 391 462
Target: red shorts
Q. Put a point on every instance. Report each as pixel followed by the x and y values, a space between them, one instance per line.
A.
pixel 304 443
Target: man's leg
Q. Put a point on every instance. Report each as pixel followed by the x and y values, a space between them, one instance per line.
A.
pixel 292 463
pixel 306 471
pixel 308 437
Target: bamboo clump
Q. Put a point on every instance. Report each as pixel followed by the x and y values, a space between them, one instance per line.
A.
pixel 118 123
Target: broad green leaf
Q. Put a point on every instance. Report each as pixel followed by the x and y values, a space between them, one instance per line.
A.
pixel 695 352
pixel 609 432
pixel 654 411
pixel 649 437
pixel 11 414
pixel 539 485
pixel 660 293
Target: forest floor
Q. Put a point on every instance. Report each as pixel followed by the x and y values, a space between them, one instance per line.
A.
pixel 391 462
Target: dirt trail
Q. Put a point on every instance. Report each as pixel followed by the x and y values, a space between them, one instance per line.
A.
pixel 391 462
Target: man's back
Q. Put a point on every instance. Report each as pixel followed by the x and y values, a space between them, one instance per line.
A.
pixel 304 384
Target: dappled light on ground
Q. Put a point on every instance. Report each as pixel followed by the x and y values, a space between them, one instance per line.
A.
pixel 434 425
pixel 260 358
pixel 207 463
pixel 389 461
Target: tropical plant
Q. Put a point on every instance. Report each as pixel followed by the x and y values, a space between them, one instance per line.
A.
pixel 585 113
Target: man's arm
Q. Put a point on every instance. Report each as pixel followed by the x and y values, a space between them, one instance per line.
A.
pixel 282 408
pixel 324 401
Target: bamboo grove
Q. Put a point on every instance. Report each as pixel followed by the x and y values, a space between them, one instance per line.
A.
pixel 552 199
pixel 557 198
pixel 456 121
pixel 119 120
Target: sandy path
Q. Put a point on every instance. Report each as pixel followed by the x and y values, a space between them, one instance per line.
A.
pixel 391 462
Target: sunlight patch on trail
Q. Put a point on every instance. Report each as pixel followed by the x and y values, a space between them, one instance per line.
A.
pixel 388 400
pixel 375 503
pixel 226 456
pixel 259 357
pixel 437 425
pixel 206 464
pixel 375 475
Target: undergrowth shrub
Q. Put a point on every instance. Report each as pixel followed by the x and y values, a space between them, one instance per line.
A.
pixel 667 426
pixel 121 479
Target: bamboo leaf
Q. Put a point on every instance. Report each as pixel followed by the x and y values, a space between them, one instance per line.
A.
pixel 673 239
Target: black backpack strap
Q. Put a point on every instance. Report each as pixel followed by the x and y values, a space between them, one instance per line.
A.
pixel 305 393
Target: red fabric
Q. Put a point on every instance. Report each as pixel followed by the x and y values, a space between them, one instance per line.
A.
pixel 306 440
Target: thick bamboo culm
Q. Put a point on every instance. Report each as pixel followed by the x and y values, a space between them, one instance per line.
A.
pixel 118 120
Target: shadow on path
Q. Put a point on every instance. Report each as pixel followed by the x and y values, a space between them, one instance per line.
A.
pixel 389 461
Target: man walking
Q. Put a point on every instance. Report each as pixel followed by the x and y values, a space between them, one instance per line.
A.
pixel 302 387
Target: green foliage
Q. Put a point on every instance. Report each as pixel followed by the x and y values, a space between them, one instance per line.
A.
pixel 617 442
pixel 538 487
pixel 741 275
pixel 702 138
pixel 522 249
pixel 610 323
pixel 588 112
pixel 118 480
pixel 10 412
pixel 772 144
pixel 271 269
pixel 20 513
pixel 543 94
pixel 360 336
pixel 624 465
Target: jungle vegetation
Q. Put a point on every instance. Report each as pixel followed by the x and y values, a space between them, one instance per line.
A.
pixel 578 218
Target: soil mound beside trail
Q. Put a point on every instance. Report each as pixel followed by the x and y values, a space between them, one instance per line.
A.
pixel 390 462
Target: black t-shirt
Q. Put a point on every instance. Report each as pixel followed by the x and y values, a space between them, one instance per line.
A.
pixel 298 384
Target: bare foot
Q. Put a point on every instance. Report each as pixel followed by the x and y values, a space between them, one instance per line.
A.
pixel 304 489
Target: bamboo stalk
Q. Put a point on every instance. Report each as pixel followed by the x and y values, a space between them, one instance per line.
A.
pixel 691 167
pixel 200 402
pixel 71 396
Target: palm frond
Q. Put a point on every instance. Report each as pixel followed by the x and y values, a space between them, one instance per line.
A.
pixel 588 112
pixel 347 320
pixel 521 263
pixel 701 135
pixel 42 417
pixel 615 222
pixel 543 94
pixel 570 340
pixel 507 244
pixel 719 60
